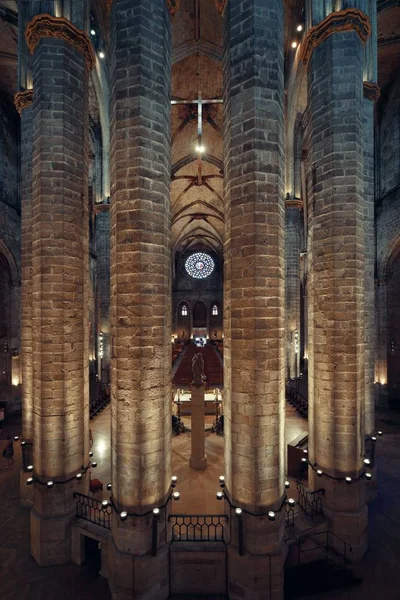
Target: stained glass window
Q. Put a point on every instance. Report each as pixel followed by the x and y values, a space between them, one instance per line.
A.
pixel 184 310
pixel 215 309
pixel 199 265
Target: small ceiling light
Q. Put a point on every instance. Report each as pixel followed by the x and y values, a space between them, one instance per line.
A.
pixel 222 481
pixel 92 32
pixel 238 512
pixel 294 44
pixel 101 54
pixel 373 438
pixel 23 443
pixel 174 481
pixel 78 476
pixel 200 149
pixel 109 486
pixel 368 476
pixel 104 503
pixel 299 28
pixel 16 438
pixel 287 484
pixel 291 502
pixel 319 472
pixel 380 432
pixel 367 461
pixel 305 451
pixel 303 460
pixel 29 468
pixel 123 515
pixel 176 496
pixel 271 515
pixel 29 481
pixel 50 484
pixel 220 496
pixel 156 512
pixel 348 479
pixel 90 454
pixel 94 464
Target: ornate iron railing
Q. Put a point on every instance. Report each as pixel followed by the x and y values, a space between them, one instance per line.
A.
pixel 335 549
pixel 310 502
pixel 198 528
pixel 93 510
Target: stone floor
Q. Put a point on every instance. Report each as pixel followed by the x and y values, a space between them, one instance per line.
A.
pixel 22 579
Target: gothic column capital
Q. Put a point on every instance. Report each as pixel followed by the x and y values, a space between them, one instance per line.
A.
pixel 350 19
pixel 23 100
pixel 372 91
pixel 45 25
pixel 100 208
pixel 294 203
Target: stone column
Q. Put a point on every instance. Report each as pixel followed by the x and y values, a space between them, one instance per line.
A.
pixel 102 301
pixel 293 223
pixel 198 458
pixel 62 57
pixel 371 92
pixel 334 51
pixel 23 102
pixel 254 295
pixel 140 293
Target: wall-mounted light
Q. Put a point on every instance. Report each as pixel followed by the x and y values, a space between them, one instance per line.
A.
pixel 92 32
pixel 299 28
pixel 294 44
pixel 101 54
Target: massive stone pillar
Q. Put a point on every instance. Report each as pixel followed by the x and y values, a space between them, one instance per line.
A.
pixel 102 212
pixel 371 95
pixel 254 334
pixel 62 57
pixel 140 293
pixel 334 50
pixel 293 224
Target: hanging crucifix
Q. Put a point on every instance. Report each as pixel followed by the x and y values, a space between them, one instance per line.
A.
pixel 199 148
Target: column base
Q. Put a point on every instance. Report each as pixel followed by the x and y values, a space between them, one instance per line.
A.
pixel 346 509
pixel 25 491
pixel 255 577
pixel 198 463
pixel 259 573
pixel 132 570
pixel 52 517
pixel 51 538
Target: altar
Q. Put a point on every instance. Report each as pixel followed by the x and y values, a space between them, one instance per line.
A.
pixel 184 396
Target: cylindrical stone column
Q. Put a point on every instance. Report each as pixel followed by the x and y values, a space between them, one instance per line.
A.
pixel 102 237
pixel 140 292
pixel 23 102
pixel 293 223
pixel 336 345
pixel 254 294
pixel 62 57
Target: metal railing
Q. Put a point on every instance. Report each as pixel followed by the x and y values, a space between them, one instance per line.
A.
pixel 100 402
pixel 198 528
pixel 310 502
pixel 335 549
pixel 93 511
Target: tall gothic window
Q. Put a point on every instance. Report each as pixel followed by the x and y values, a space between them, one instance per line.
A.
pixel 215 309
pixel 184 310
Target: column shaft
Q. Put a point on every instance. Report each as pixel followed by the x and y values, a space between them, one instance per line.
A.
pixel 254 295
pixel 293 223
pixel 140 313
pixel 337 276
pixel 26 273
pixel 59 289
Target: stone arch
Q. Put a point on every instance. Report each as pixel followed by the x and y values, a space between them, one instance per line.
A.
pixel 12 264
